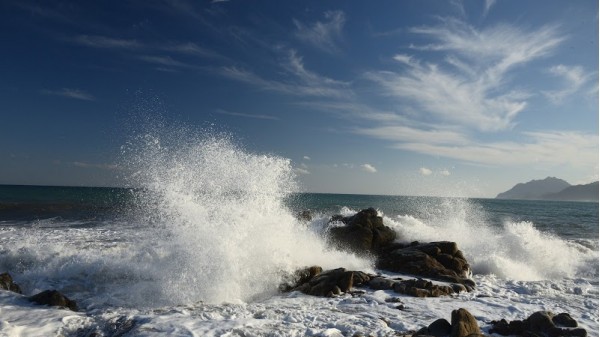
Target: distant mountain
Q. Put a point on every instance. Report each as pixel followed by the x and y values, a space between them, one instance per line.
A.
pixel 587 192
pixel 535 189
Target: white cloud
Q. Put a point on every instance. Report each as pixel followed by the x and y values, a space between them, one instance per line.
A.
pixel 368 168
pixel 300 81
pixel 574 78
pixel 245 115
pixel 445 172
pixel 96 41
pixel 470 88
pixel 425 171
pixel 70 93
pixel 306 158
pixel 300 170
pixel 488 6
pixel 323 35
pixel 546 149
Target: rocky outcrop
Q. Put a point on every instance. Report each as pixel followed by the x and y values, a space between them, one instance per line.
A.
pixel 314 281
pixel 365 234
pixel 541 323
pixel 438 260
pixel 6 283
pixel 54 298
pixel 362 233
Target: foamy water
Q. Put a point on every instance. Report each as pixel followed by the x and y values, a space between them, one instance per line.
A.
pixel 210 236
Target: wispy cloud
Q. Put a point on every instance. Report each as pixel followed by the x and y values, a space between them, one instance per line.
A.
pixel 299 80
pixel 574 77
pixel 469 89
pixel 96 41
pixel 368 168
pixel 324 35
pixel 487 6
pixel 70 93
pixel 306 158
pixel 544 148
pixel 245 115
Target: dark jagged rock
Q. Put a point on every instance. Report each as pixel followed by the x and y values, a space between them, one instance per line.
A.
pixel 313 281
pixel 6 283
pixel 299 277
pixel 54 298
pixel 422 288
pixel 363 233
pixel 541 323
pixel 438 260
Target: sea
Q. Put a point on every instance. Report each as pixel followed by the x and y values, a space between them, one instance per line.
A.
pixel 200 243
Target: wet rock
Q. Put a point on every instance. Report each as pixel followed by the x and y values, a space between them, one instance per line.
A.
pixel 54 298
pixel 438 260
pixel 363 233
pixel 541 323
pixel 564 320
pixel 381 283
pixel 299 277
pixel 6 283
pixel 422 288
pixel 464 324
pixel 328 283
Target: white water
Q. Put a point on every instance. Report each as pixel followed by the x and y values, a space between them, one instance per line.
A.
pixel 203 255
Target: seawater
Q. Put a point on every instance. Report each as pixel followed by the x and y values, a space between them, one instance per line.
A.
pixel 202 241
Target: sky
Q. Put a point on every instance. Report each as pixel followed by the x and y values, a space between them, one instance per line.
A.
pixel 413 97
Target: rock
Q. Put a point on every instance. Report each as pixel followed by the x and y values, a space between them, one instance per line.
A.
pixel 312 281
pixel 381 283
pixel 363 233
pixel 438 260
pixel 541 323
pixel 421 288
pixel 463 324
pixel 6 283
pixel 564 320
pixel 54 298
pixel 299 277
pixel 439 328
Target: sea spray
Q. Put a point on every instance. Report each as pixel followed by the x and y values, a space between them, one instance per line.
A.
pixel 219 211
pixel 514 250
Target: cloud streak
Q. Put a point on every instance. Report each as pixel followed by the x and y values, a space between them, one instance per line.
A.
pixel 245 115
pixel 70 93
pixel 324 35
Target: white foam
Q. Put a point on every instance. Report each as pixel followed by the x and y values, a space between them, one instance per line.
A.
pixel 221 212
pixel 517 250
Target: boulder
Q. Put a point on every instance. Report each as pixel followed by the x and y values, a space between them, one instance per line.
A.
pixel 439 328
pixel 422 288
pixel 438 260
pixel 6 283
pixel 541 323
pixel 363 233
pixel 312 281
pixel 463 324
pixel 54 298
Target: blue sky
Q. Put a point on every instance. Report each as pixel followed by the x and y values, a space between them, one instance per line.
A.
pixel 451 98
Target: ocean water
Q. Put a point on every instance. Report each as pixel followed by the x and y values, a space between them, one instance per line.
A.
pixel 200 245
